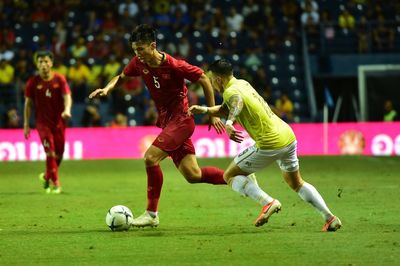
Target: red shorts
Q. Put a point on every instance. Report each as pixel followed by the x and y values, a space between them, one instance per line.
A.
pixel 175 140
pixel 53 139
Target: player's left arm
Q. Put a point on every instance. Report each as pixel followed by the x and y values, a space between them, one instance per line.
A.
pixel 236 105
pixel 66 114
pixel 215 122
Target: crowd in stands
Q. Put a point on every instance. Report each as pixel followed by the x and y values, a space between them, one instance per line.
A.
pixel 90 42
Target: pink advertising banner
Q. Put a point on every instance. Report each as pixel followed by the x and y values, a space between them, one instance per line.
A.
pixel 110 143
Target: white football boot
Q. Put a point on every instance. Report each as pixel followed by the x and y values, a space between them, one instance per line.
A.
pixel 332 224
pixel 146 220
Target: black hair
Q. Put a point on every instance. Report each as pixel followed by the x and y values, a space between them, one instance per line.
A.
pixel 143 33
pixel 221 67
pixel 43 53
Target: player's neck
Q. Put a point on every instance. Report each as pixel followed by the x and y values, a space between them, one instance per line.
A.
pixel 158 59
pixel 47 76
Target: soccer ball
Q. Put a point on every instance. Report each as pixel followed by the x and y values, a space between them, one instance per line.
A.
pixel 119 218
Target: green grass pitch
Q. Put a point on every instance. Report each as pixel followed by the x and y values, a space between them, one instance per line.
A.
pixel 200 224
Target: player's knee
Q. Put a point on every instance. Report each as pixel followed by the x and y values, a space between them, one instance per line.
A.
pixel 192 176
pixel 150 159
pixel 294 180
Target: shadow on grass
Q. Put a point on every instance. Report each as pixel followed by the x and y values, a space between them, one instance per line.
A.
pixel 151 232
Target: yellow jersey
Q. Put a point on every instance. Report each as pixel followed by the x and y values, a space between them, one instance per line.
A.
pixel 264 127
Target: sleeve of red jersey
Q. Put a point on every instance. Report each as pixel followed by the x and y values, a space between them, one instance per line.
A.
pixel 29 88
pixel 64 85
pixel 131 69
pixel 188 71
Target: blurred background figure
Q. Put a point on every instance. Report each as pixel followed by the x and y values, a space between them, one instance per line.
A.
pixel 390 114
pixel 284 107
pixel 120 120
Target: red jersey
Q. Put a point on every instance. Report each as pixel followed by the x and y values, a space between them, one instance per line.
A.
pixel 166 84
pixel 48 97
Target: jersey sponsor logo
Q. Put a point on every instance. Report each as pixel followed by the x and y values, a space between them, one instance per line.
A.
pixel 56 85
pixel 39 87
pixel 160 139
pixel 145 71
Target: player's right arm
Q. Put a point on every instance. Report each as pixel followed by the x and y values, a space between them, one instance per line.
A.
pixel 114 82
pixel 217 110
pixel 27 115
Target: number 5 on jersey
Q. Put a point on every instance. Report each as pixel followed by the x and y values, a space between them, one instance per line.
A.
pixel 156 83
pixel 48 93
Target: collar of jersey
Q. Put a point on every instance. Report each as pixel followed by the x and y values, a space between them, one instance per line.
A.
pixel 230 83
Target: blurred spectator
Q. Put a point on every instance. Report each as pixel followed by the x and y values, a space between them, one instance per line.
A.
pixel 12 119
pixel 346 20
pixel 7 36
pixel 6 52
pixel 309 15
pixel 313 35
pixel 110 23
pixel 95 79
pixel 250 7
pixel 60 67
pixel 111 68
pixel 61 31
pixel 120 120
pixel 79 49
pixel 390 114
pixel 133 86
pixel 328 23
pixel 98 48
pixel 58 46
pixel 93 22
pixel 180 21
pixel 91 116
pixel 383 36
pixel 284 107
pixel 7 73
pixel 78 75
pixel 312 4
pixel 363 35
pixel 234 20
pixel 184 48
pixel 151 114
pixel 130 6
pixel 290 9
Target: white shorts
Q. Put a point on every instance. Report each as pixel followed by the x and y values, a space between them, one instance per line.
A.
pixel 253 159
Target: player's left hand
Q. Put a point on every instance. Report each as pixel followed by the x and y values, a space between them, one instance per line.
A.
pixel 66 115
pixel 217 124
pixel 234 135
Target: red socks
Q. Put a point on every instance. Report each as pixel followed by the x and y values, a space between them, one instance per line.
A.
pixel 212 175
pixel 154 185
pixel 52 170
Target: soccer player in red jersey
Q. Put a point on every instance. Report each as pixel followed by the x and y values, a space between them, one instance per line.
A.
pixel 165 77
pixel 51 96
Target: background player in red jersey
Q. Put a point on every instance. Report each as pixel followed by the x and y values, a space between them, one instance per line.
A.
pixel 165 78
pixel 51 96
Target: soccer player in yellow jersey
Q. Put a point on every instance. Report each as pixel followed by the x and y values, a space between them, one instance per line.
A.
pixel 274 141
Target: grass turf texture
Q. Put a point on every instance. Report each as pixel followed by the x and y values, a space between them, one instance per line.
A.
pixel 200 224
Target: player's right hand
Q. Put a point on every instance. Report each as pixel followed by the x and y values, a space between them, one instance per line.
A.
pixel 197 109
pixel 98 92
pixel 27 132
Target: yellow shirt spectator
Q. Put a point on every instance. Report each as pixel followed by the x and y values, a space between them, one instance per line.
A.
pixel 79 73
pixel 7 73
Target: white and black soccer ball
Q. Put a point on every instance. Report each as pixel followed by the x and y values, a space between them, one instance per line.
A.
pixel 119 218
